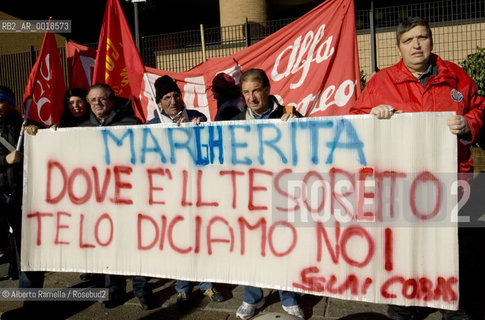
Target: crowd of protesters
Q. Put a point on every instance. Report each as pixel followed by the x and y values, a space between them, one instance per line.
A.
pixel 421 81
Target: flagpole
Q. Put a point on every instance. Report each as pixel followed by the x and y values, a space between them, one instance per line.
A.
pixel 22 131
pixel 147 83
pixel 29 99
pixel 67 63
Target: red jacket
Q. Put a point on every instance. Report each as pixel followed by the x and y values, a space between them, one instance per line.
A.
pixel 451 90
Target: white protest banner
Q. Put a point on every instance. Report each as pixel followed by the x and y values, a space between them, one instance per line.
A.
pixel 363 210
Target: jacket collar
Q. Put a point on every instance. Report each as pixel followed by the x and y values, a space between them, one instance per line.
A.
pixel 121 109
pixel 168 119
pixel 273 107
pixel 401 74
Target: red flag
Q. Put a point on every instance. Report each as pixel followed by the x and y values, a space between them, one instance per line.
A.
pixel 312 64
pixel 80 65
pixel 46 88
pixel 118 62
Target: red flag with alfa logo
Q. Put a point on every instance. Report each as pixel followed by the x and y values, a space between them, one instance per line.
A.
pixel 312 64
pixel 45 88
pixel 118 62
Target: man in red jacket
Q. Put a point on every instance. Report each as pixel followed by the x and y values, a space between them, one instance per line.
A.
pixel 423 82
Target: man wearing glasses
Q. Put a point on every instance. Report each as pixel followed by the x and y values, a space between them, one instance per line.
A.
pixel 109 110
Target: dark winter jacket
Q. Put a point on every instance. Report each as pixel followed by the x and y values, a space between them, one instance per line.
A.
pixel 68 120
pixel 188 113
pixel 10 174
pixel 122 115
pixel 228 108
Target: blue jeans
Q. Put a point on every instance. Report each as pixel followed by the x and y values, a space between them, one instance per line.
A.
pixel 117 283
pixel 186 286
pixel 27 279
pixel 253 295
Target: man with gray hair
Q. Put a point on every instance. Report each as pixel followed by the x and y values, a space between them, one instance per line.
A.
pixel 109 110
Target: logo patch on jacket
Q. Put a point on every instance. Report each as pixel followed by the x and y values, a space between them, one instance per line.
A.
pixel 456 95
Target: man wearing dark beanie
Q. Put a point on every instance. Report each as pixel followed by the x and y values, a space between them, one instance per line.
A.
pixel 169 99
pixel 10 176
pixel 172 109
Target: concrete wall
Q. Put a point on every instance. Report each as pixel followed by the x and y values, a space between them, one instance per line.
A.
pixel 234 12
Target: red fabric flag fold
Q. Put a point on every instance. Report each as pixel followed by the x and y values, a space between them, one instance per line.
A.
pixel 80 65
